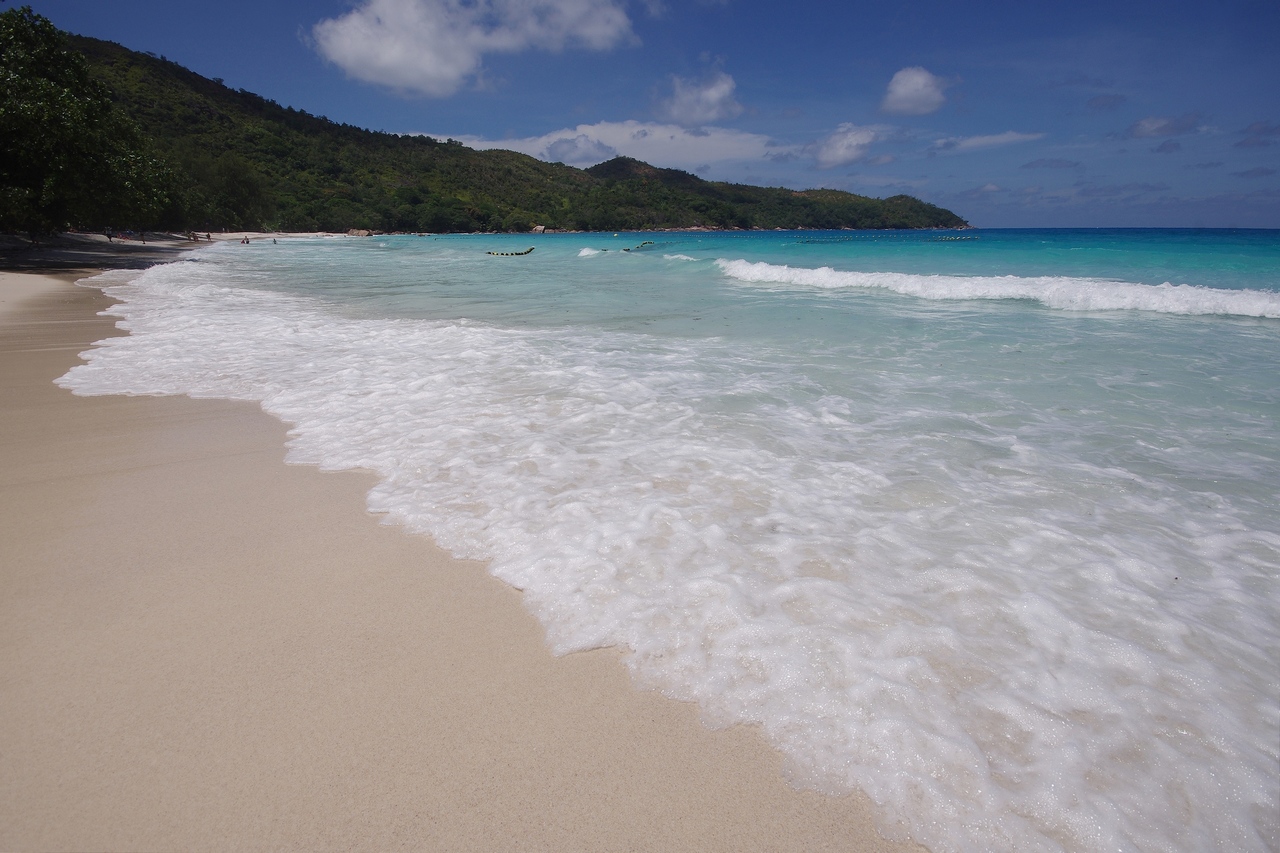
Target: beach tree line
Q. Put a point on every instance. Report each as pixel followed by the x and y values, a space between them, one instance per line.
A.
pixel 110 136
pixel 68 153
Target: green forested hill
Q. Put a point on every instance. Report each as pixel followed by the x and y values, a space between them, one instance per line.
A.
pixel 238 160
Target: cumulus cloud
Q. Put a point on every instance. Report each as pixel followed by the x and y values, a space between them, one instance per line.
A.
pixel 701 102
pixel 666 145
pixel 434 47
pixel 972 143
pixel 888 182
pixel 984 190
pixel 1169 146
pixel 914 92
pixel 1156 126
pixel 848 144
pixel 579 149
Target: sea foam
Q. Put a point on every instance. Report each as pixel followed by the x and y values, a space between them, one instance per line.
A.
pixel 970 605
pixel 1062 292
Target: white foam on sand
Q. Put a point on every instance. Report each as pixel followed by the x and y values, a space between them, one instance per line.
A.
pixel 1007 646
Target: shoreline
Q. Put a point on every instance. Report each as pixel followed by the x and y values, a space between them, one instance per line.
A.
pixel 206 648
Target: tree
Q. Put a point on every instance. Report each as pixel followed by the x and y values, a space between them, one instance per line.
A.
pixel 68 157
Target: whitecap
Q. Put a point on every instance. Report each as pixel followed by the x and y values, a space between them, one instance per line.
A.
pixel 1060 292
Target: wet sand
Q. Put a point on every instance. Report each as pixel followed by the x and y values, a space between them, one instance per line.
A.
pixel 202 648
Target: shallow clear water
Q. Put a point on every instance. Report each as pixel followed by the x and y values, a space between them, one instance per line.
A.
pixel 986 527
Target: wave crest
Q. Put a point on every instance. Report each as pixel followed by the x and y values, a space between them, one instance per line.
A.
pixel 1061 292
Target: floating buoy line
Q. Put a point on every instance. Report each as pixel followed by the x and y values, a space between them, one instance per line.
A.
pixel 511 254
pixel 635 248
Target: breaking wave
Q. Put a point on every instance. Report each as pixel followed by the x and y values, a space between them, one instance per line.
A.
pixel 1060 292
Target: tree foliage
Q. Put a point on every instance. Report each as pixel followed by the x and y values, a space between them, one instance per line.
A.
pixel 68 156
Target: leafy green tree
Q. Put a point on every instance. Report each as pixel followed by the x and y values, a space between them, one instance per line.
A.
pixel 68 157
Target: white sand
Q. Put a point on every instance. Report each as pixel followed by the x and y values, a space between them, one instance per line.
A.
pixel 16 290
pixel 202 648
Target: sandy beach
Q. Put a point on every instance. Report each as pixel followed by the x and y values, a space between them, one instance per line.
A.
pixel 202 648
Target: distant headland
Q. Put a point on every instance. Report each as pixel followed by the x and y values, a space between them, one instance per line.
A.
pixel 165 148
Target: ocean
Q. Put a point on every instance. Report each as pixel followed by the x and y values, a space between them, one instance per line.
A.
pixel 983 523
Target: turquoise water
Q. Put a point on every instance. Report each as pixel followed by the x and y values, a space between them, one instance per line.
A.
pixel 546 287
pixel 982 523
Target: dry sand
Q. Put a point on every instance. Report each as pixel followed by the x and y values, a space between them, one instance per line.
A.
pixel 202 648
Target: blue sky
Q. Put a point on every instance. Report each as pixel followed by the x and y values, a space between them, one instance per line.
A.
pixel 1009 113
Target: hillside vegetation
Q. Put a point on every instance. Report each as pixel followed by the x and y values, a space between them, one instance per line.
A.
pixel 233 160
pixel 68 154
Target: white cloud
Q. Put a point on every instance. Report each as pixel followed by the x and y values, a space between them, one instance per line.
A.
pixel 848 144
pixel 433 47
pixel 971 143
pixel 665 145
pixel 878 181
pixel 695 103
pixel 1162 126
pixel 914 92
pixel 578 149
pixel 984 190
